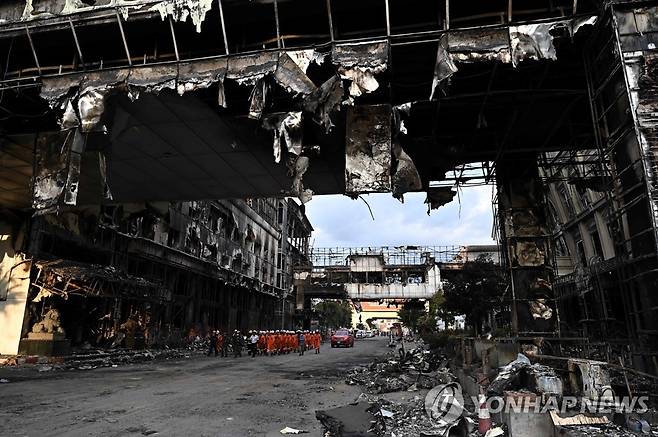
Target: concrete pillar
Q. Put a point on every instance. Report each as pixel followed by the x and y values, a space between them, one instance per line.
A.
pixel 14 286
pixel 527 243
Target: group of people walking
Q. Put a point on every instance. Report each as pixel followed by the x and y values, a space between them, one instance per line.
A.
pixel 265 343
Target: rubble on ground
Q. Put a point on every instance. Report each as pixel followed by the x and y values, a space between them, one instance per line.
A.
pixel 415 369
pixel 98 358
pixel 397 387
pixel 394 398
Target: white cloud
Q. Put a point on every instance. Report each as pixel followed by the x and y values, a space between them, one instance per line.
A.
pixel 341 221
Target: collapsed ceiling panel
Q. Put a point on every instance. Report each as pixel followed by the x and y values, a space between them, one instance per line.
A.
pixel 368 149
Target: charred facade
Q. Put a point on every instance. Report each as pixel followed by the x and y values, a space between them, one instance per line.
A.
pixel 159 273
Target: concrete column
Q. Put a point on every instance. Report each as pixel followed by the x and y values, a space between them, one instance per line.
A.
pixel 527 242
pixel 14 284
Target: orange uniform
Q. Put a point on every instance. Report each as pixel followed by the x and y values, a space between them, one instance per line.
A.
pixel 270 343
pixel 262 343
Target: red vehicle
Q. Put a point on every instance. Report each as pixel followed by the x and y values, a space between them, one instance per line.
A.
pixel 342 337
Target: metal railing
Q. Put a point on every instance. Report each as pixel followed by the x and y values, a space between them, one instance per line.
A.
pixel 393 255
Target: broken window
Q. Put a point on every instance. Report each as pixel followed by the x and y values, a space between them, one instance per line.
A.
pixel 584 198
pixel 566 201
pixel 561 247
pixel 596 240
pixel 580 247
pixel 280 213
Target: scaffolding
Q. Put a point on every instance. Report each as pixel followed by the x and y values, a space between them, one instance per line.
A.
pixel 610 295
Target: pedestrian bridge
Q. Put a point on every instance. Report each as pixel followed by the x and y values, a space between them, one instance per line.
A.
pixel 405 272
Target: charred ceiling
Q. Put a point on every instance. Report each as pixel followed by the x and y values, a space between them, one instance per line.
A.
pixel 246 98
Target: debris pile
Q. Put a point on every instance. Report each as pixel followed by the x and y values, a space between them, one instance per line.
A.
pixel 413 370
pixel 93 359
pixel 415 393
pixel 395 402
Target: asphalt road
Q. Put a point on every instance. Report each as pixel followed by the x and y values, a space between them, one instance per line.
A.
pixel 197 397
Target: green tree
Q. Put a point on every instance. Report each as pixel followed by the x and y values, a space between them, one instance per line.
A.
pixel 334 314
pixel 474 291
pixel 412 313
pixel 427 322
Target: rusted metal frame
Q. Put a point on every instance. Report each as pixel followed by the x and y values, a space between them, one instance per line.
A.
pixel 123 37
pixel 638 134
pixel 279 43
pixel 388 18
pixel 607 109
pixel 34 52
pixel 221 20
pixel 331 21
pixel 397 37
pixel 173 38
pixel 77 43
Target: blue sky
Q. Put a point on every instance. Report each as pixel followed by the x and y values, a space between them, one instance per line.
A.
pixel 341 221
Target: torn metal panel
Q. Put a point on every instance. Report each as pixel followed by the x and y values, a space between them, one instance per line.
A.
pixel 51 169
pixel 480 45
pixel 288 130
pixel 180 10
pixel 438 196
pixel 221 94
pixel 102 167
pixel 532 41
pixel 81 97
pixel 368 149
pixel 478 40
pixel 444 67
pixel 514 44
pixel 367 54
pixel 299 168
pixel 68 7
pixel 325 100
pixel 257 99
pixel 201 75
pixel 55 89
pixel 153 79
pixel 304 58
pixel 359 63
pixel 91 106
pixel 290 76
pixel 248 69
pixel 70 118
pixel 75 162
pixel 406 177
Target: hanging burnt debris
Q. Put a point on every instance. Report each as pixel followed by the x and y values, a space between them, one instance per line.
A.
pixel 368 149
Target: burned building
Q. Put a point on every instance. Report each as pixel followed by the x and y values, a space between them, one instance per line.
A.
pixel 600 198
pixel 156 273
pixel 116 101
